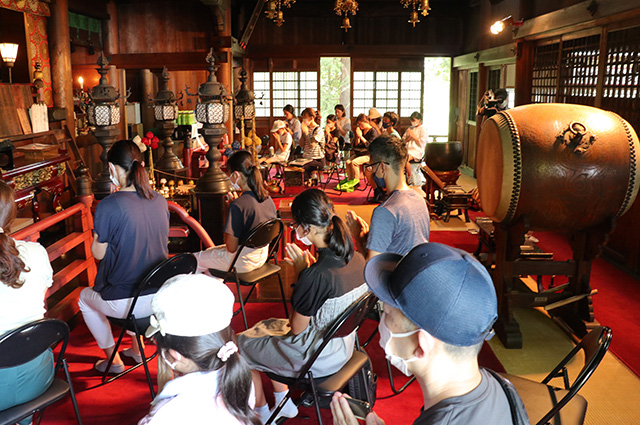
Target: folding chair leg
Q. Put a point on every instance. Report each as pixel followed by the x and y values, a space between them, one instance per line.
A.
pixel 284 300
pixel 316 402
pixel 144 361
pixel 113 355
pixel 392 384
pixel 72 393
pixel 278 408
pixel 244 315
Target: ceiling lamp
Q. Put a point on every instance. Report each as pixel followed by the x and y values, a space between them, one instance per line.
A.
pixel 274 10
pixel 417 6
pixel 344 8
pixel 9 52
pixel 499 26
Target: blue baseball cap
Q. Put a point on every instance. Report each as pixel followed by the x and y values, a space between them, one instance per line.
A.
pixel 441 289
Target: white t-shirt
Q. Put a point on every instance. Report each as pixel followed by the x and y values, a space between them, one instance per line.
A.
pixel 414 149
pixel 283 155
pixel 192 399
pixel 19 306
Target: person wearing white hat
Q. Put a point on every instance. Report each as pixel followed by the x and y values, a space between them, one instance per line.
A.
pixel 191 323
pixel 281 140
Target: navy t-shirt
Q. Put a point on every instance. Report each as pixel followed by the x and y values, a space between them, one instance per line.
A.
pixel 137 231
pixel 247 212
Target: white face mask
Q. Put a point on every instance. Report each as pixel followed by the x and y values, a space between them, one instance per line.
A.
pixel 303 239
pixel 234 184
pixel 171 365
pixel 385 339
pixel 114 180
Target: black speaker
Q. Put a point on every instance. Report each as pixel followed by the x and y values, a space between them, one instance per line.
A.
pixel 6 155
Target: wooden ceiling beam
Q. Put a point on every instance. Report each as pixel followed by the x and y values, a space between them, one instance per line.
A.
pixel 173 61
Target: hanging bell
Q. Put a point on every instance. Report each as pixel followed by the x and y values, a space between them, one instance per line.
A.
pixel 346 23
pixel 279 18
pixel 424 5
pixel 414 18
pixel 271 9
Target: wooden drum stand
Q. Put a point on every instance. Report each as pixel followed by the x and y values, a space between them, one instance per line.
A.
pixel 569 304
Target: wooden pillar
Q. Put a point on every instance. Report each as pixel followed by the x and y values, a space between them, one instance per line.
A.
pixel 60 53
pixel 524 72
pixel 148 91
pixel 110 30
pixel 225 72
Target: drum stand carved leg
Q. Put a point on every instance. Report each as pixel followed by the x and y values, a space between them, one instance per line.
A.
pixel 569 304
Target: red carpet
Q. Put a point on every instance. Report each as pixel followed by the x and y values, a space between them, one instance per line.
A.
pixel 126 400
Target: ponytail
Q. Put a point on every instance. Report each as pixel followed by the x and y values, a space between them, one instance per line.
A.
pixel 11 265
pixel 339 239
pixel 242 162
pixel 127 155
pixel 234 379
pixel 313 207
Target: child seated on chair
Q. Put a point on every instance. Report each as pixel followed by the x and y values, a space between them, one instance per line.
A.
pixel 191 323
pixel 131 230
pixel 281 142
pixel 325 287
pixel 25 276
pixel 253 207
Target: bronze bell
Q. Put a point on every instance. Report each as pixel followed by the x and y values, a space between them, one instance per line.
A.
pixel 346 24
pixel 271 9
pixel 279 18
pixel 414 18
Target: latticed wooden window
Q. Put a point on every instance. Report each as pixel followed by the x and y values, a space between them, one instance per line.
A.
pixel 299 89
pixel 411 88
pixel 579 70
pixel 621 88
pixel 400 92
pixel 473 95
pixel 494 79
pixel 261 90
pixel 544 82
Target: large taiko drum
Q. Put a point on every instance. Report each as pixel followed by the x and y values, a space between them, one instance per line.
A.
pixel 563 166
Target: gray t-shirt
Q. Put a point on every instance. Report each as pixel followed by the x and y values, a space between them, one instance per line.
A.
pixel 399 223
pixel 486 404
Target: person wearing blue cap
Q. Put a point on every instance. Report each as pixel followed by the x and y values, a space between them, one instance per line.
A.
pixel 439 307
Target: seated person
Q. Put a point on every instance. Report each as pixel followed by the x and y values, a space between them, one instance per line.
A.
pixel 253 207
pixel 389 122
pixel 191 322
pixel 293 125
pixel 281 142
pixel 131 232
pixel 375 119
pixel 325 287
pixel 416 138
pixel 312 142
pixel 25 276
pixel 343 124
pixel 365 134
pixel 402 220
pixel 331 136
pixel 439 307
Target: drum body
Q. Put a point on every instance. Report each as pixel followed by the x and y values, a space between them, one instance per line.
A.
pixel 563 166
pixel 443 156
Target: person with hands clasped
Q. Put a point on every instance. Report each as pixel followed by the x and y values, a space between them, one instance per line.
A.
pixel 246 211
pixel 325 287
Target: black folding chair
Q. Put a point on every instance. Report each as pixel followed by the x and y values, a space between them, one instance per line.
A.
pixel 178 264
pixel 25 344
pixel 541 399
pixel 269 234
pixel 319 390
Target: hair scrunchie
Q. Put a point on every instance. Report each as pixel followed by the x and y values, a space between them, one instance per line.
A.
pixel 227 350
pixel 1 230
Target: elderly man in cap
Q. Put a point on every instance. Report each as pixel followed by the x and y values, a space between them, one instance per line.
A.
pixel 439 307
